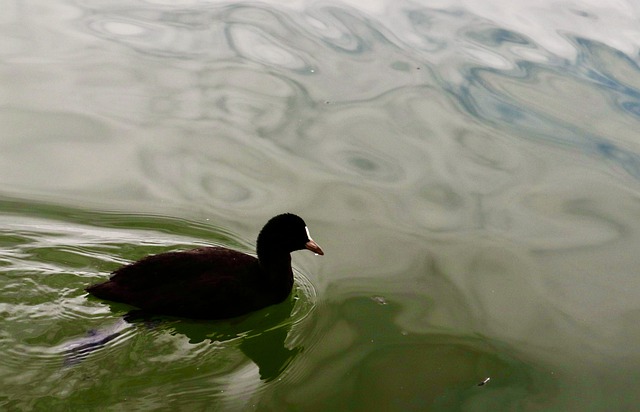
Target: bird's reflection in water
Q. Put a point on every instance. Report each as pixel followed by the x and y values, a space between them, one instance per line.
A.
pixel 261 335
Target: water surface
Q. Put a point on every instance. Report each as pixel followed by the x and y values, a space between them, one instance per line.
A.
pixel 470 169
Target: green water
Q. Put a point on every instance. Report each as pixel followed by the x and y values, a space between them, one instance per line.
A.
pixel 353 349
pixel 470 170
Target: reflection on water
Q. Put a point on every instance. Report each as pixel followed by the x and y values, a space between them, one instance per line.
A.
pixel 261 336
pixel 383 367
pixel 471 167
pixel 62 334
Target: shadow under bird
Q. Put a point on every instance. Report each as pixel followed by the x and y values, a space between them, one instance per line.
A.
pixel 213 282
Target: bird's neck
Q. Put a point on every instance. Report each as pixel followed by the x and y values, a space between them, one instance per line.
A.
pixel 278 269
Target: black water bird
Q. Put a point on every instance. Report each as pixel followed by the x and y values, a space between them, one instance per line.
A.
pixel 213 282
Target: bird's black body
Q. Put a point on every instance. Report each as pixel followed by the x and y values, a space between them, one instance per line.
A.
pixel 213 282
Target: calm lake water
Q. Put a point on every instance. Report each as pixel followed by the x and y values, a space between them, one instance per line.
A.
pixel 471 170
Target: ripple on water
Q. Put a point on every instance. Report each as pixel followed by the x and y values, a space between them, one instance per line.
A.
pixel 360 343
pixel 210 175
pixel 338 29
pixel 445 128
pixel 153 31
pixel 57 338
pixel 248 98
pixel 255 44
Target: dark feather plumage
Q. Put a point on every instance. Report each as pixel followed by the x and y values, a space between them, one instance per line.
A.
pixel 213 282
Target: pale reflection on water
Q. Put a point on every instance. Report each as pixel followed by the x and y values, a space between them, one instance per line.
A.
pixel 471 170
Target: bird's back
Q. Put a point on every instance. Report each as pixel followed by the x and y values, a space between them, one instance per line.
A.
pixel 210 282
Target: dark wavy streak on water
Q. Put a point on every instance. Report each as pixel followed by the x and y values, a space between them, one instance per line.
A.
pixel 504 111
